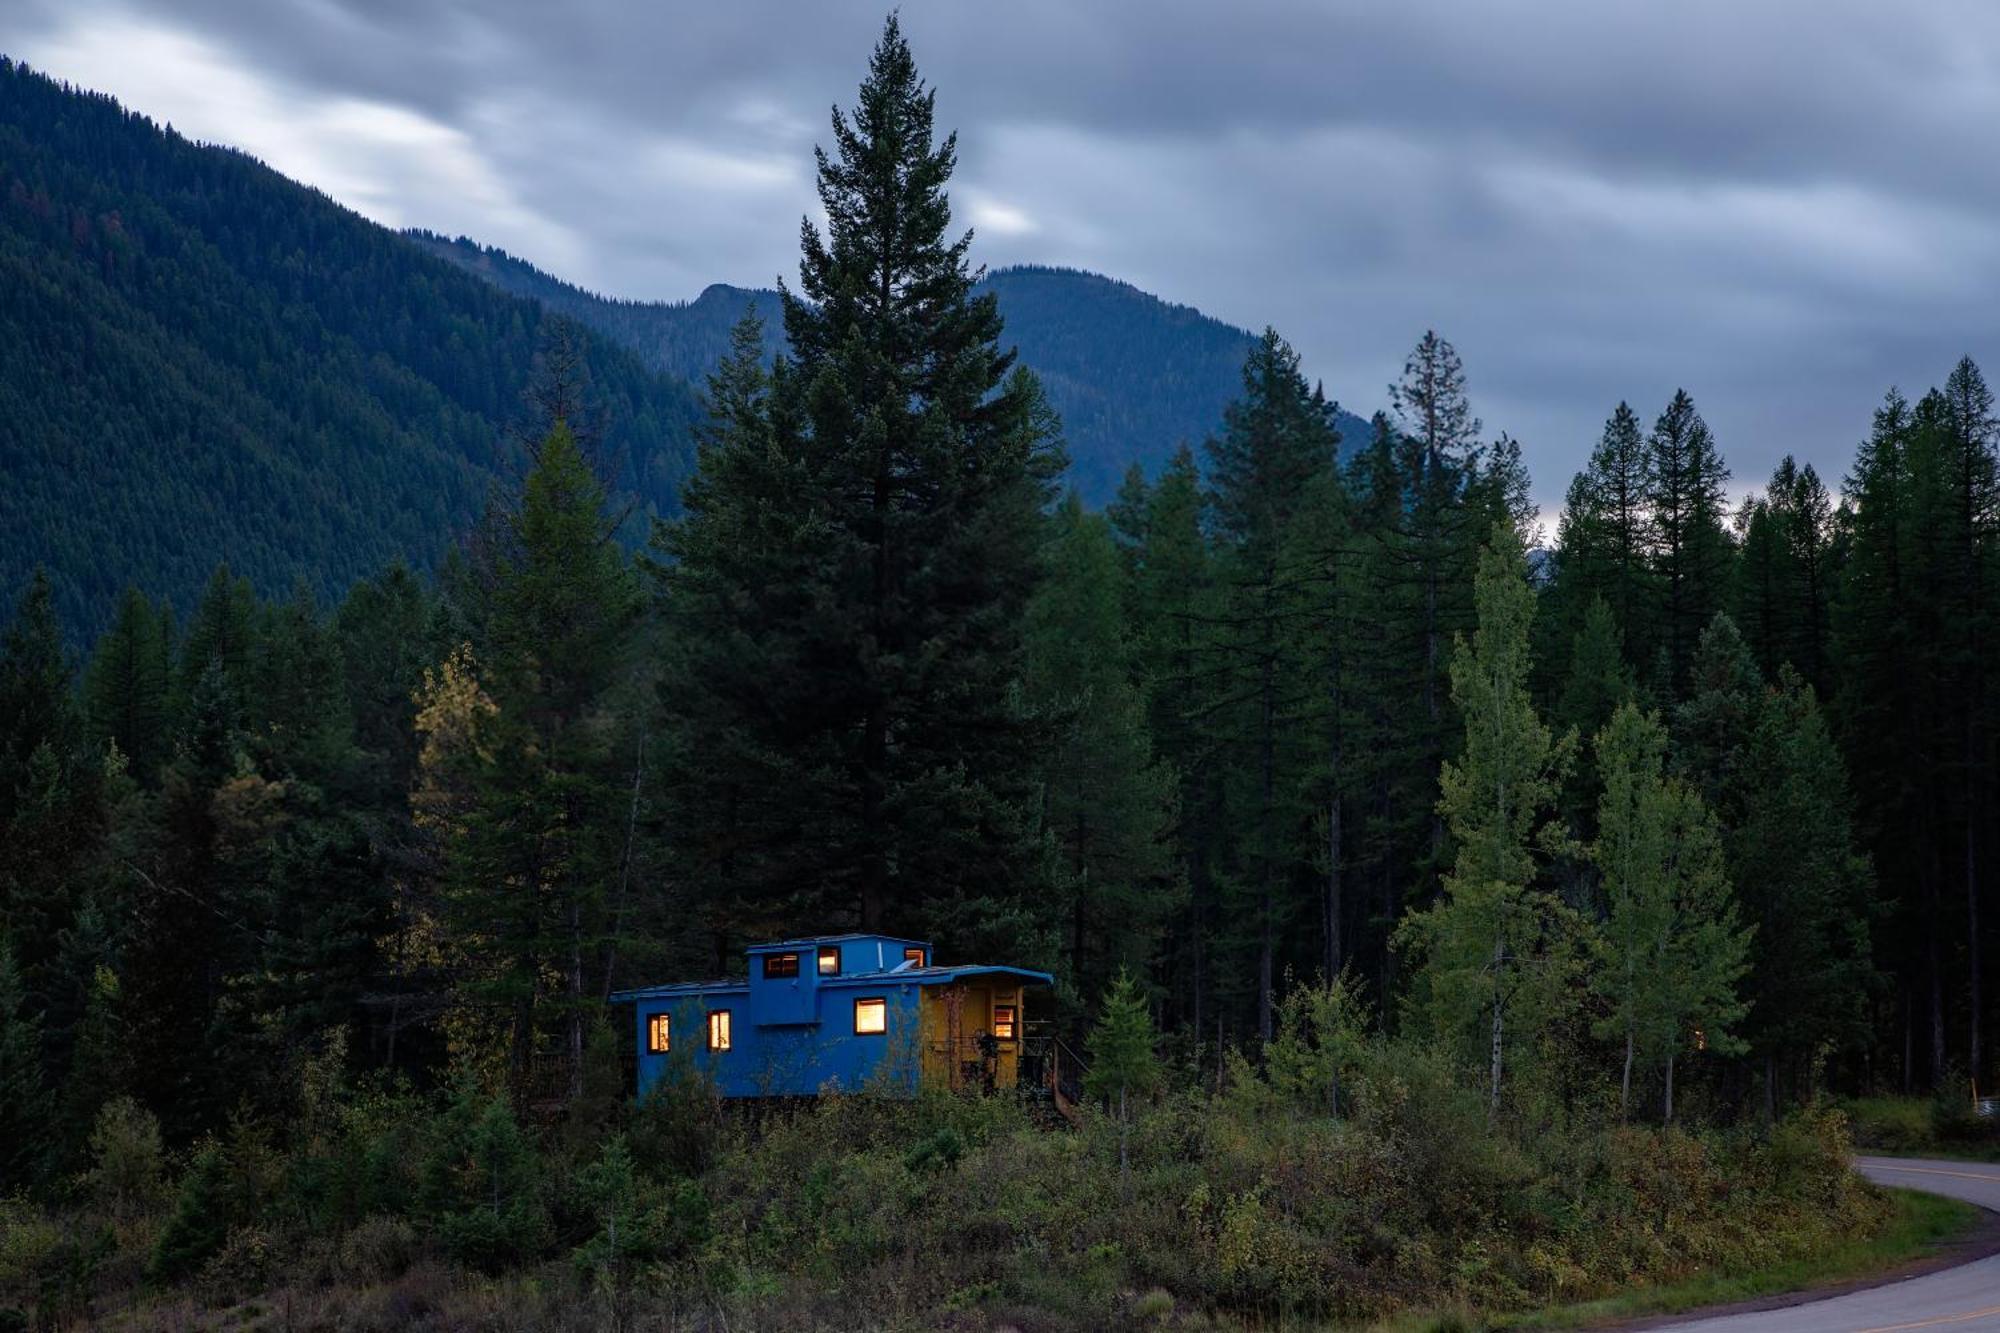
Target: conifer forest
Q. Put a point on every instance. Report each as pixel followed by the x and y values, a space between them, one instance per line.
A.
pixel 1457 907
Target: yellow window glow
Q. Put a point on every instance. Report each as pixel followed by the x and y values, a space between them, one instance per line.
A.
pixel 829 960
pixel 718 1030
pixel 871 1017
pixel 914 955
pixel 658 1031
pixel 1003 1021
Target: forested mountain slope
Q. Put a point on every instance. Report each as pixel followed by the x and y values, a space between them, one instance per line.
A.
pixel 1132 375
pixel 207 361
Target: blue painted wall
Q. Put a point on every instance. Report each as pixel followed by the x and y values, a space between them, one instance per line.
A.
pixel 793 1036
pixel 786 1058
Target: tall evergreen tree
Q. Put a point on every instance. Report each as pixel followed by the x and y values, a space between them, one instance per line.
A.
pixel 1122 1059
pixel 535 852
pixel 1597 682
pixel 126 687
pixel 1882 709
pixel 1274 457
pixel 1172 597
pixel 1106 801
pixel 898 489
pixel 1492 949
pixel 1673 952
pixel 1604 538
pixel 1691 545
pixel 1437 455
pixel 1766 765
pixel 52 792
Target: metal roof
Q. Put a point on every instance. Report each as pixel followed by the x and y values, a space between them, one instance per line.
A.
pixel 927 976
pixel 810 940
pixel 682 988
pixel 922 976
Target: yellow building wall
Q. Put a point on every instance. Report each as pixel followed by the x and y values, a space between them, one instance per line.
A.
pixel 951 1019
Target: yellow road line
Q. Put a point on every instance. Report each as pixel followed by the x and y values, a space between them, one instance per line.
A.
pixel 1933 1323
pixel 1933 1171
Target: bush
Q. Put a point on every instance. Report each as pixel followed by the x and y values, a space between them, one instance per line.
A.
pixel 203 1213
pixel 127 1175
pixel 1890 1124
pixel 28 1245
pixel 240 1268
pixel 482 1181
pixel 380 1249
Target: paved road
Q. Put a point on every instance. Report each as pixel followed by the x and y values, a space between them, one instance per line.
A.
pixel 1955 1300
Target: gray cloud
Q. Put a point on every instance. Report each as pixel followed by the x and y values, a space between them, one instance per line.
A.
pixel 1786 207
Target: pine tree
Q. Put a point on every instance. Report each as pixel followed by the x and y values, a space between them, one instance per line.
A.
pixel 899 495
pixel 1106 801
pixel 1437 455
pixel 1691 546
pixel 1597 682
pixel 1808 891
pixel 27 1145
pixel 1767 766
pixel 126 688
pixel 220 631
pixel 1879 707
pixel 1673 953
pixel 1604 538
pixel 1122 1059
pixel 1172 596
pixel 537 843
pixel 1971 551
pixel 186 937
pixel 52 794
pixel 1809 532
pixel 204 1209
pixel 1491 949
pixel 1274 458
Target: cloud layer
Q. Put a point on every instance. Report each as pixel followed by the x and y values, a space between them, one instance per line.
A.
pixel 1786 206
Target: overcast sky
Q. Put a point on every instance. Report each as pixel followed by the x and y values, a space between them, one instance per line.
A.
pixel 1786 207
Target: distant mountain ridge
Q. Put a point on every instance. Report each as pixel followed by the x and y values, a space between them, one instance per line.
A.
pixel 207 361
pixel 1133 376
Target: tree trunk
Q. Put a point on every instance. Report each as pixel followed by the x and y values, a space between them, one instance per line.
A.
pixel 624 873
pixel 1670 1089
pixel 1934 956
pixel 1974 1066
pixel 1625 1083
pixel 1336 760
pixel 1334 950
pixel 1267 942
pixel 575 1022
pixel 1499 1031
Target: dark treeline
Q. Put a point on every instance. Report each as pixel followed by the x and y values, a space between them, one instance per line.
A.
pixel 1707 787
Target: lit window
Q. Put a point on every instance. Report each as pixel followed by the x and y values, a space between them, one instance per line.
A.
pixel 718 1030
pixel 780 965
pixel 914 956
pixel 1003 1021
pixel 829 960
pixel 657 1032
pixel 871 1017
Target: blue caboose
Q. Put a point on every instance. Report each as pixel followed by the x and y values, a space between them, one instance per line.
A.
pixel 838 1013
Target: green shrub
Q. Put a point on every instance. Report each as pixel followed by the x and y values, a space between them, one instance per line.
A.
pixel 241 1267
pixel 482 1182
pixel 379 1249
pixel 128 1165
pixel 1890 1124
pixel 204 1211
